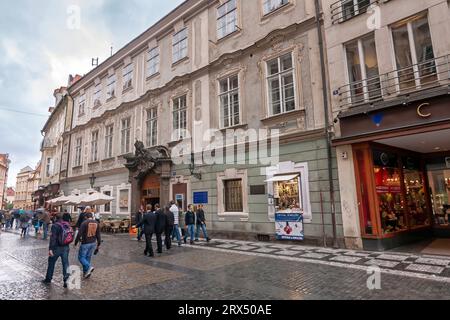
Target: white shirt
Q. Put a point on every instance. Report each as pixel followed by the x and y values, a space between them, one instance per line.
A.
pixel 174 210
pixel 97 216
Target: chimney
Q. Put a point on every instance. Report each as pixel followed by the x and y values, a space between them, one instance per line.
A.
pixel 51 109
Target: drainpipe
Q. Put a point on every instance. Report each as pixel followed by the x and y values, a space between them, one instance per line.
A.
pixel 327 120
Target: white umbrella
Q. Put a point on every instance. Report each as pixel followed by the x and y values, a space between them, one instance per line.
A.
pixel 74 200
pixel 96 199
pixel 58 201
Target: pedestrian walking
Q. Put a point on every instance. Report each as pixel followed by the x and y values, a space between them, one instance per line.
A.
pixel 2 220
pixel 148 223
pixel 25 219
pixel 8 218
pixel 189 221
pixel 61 237
pixel 160 226
pixel 35 223
pixel 170 223
pixel 138 219
pixel 90 238
pixel 67 217
pixel 176 227
pixel 44 217
pixel 17 215
pixel 201 224
pixel 97 215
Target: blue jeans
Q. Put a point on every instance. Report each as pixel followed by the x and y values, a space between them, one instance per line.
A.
pixel 190 232
pixel 45 231
pixel 176 233
pixel 205 233
pixel 85 255
pixel 59 252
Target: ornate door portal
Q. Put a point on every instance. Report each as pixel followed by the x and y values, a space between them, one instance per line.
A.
pixel 150 173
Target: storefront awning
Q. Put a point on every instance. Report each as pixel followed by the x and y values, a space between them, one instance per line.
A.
pixel 283 178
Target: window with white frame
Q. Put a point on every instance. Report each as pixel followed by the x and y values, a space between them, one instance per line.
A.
pixel 233 200
pixel 111 87
pixel 94 146
pixel 226 18
pixel 78 152
pixel 180 45
pixel 128 76
pixel 362 64
pixel 179 115
pixel 81 104
pixel 152 127
pixel 109 135
pixel 281 84
pixel 98 94
pixel 126 135
pixel 153 62
pixel 272 5
pixel 229 101
pixel 351 8
pixel 107 206
pixel 414 54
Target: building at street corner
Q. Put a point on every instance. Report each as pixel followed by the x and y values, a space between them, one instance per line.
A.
pixel 220 103
pixel 10 196
pixel 389 69
pixel 4 167
pixel 27 181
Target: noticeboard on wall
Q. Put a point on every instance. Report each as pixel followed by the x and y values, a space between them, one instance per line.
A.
pixel 289 226
pixel 201 197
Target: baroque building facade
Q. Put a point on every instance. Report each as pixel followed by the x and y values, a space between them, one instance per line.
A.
pixel 249 69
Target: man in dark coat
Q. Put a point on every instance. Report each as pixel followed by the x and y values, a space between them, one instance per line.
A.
pixel 170 222
pixel 201 224
pixel 189 220
pixel 138 219
pixel 149 224
pixel 160 226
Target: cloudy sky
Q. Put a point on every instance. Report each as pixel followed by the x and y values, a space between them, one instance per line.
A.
pixel 41 43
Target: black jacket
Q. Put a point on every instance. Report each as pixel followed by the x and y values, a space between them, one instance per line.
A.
pixel 81 219
pixel 201 216
pixel 170 218
pixel 160 221
pixel 138 217
pixel 189 218
pixel 55 236
pixel 149 223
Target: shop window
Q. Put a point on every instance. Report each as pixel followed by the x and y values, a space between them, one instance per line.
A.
pixel 233 195
pixel 439 179
pixel 287 194
pixel 389 191
pixel 415 193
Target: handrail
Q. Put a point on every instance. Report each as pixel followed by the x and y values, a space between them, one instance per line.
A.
pixel 337 10
pixel 409 79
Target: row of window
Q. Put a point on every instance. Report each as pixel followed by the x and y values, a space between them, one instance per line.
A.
pixel 414 59
pixel 226 24
pixel 281 92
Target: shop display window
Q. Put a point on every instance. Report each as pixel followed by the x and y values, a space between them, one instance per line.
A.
pixel 389 192
pixel 287 195
pixel 365 207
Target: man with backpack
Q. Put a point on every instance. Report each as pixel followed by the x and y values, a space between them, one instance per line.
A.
pixel 61 237
pixel 90 238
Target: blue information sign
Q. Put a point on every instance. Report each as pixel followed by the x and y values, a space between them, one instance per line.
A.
pixel 201 197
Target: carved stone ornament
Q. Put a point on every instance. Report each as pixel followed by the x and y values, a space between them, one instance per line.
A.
pixel 145 160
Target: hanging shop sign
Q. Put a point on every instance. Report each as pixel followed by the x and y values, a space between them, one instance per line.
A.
pixel 289 226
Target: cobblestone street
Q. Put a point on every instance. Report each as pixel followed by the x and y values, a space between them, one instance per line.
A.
pixel 223 269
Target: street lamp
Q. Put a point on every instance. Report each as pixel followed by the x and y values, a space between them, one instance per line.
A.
pixel 92 180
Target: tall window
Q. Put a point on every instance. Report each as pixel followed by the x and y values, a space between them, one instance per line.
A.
pixel 414 54
pixel 180 45
pixel 233 195
pixel 97 95
pixel 272 5
pixel 111 89
pixel 78 150
pixel 152 127
pixel 126 135
pixel 128 76
pixel 94 146
pixel 229 101
pixel 48 169
pixel 363 73
pixel 351 8
pixel 153 62
pixel 109 135
pixel 281 84
pixel 107 207
pixel 81 104
pixel 226 18
pixel 180 117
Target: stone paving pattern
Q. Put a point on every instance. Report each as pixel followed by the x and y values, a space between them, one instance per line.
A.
pixel 222 269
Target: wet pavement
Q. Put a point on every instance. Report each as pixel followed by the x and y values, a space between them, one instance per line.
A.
pixel 222 269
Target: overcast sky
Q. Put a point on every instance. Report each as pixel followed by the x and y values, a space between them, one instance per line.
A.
pixel 41 44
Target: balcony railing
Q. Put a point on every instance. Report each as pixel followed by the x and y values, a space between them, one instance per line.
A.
pixel 344 10
pixel 431 73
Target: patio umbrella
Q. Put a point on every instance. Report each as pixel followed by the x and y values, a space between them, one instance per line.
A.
pixel 58 201
pixel 96 199
pixel 74 200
